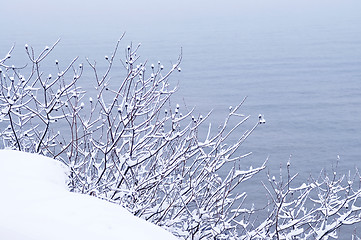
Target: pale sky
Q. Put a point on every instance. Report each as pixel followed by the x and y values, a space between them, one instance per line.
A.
pixel 46 12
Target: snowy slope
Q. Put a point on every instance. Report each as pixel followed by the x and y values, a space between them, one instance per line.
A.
pixel 35 204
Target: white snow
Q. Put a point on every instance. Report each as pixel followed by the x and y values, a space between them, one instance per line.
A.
pixel 36 204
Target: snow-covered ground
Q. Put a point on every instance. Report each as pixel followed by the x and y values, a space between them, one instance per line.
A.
pixel 35 204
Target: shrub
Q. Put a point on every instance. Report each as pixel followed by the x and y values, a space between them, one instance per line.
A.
pixel 128 143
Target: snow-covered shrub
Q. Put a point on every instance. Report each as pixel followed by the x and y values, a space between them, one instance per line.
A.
pixel 129 143
pixel 316 209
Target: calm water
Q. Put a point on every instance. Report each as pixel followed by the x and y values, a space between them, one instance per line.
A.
pixel 299 64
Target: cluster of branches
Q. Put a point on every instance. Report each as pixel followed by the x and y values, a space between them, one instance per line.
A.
pixel 126 142
pixel 316 209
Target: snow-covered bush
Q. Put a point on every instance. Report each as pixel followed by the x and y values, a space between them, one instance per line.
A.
pixel 316 209
pixel 127 142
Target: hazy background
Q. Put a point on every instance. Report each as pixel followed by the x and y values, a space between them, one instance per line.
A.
pixel 299 63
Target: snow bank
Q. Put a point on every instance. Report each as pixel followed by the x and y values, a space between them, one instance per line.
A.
pixel 35 204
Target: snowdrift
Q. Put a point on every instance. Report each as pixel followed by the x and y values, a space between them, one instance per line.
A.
pixel 35 204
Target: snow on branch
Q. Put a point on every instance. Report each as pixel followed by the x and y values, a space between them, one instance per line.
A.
pixel 315 210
